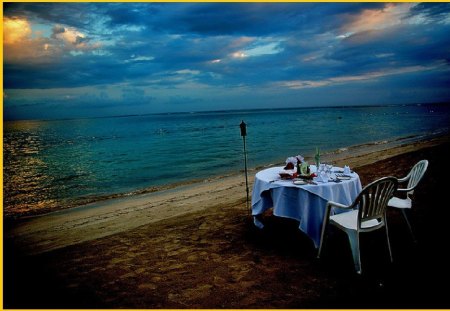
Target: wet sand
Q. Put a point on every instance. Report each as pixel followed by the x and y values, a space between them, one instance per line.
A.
pixel 194 246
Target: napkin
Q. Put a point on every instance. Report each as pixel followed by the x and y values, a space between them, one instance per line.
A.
pixel 292 160
pixel 346 170
pixel 323 177
pixel 295 159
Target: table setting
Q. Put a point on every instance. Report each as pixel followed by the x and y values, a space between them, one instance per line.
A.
pixel 301 191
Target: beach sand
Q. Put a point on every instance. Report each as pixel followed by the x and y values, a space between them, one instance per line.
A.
pixel 194 246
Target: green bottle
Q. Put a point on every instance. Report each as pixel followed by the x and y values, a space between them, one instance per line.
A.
pixel 317 158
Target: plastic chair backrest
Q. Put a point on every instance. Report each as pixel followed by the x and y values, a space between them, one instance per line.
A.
pixel 416 174
pixel 373 200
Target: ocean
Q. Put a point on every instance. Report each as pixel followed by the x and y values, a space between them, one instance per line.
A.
pixel 52 165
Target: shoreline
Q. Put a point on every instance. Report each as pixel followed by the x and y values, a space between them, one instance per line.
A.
pixel 55 230
pixel 341 156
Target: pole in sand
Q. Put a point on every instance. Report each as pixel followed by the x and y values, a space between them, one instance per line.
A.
pixel 243 134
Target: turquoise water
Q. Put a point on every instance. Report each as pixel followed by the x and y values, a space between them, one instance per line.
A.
pixel 50 165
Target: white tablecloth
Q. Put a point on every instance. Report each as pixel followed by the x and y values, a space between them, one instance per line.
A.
pixel 305 203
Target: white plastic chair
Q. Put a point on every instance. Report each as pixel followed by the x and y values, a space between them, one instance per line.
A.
pixel 413 178
pixel 367 213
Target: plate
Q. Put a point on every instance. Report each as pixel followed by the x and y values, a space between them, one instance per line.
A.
pixel 300 182
pixel 343 177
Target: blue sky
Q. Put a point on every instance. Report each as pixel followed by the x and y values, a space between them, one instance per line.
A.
pixel 64 60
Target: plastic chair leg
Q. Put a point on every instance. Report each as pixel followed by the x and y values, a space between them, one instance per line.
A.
pixel 322 240
pixel 409 225
pixel 388 242
pixel 319 252
pixel 353 237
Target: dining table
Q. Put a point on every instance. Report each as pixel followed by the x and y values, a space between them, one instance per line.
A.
pixel 303 201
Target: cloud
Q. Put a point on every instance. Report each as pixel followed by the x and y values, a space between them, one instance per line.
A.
pixel 19 46
pixel 368 76
pixel 389 16
pixel 15 30
pixel 210 50
pixel 24 47
pixel 77 15
pixel 261 49
pixel 68 35
pixel 75 72
pixel 424 13
pixel 118 14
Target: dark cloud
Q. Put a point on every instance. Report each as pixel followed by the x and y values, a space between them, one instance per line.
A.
pixel 57 29
pixel 200 18
pixel 72 14
pixel 74 72
pixel 405 46
pixel 436 12
pixel 255 19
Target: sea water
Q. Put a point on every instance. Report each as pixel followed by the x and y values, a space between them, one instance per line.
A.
pixel 49 165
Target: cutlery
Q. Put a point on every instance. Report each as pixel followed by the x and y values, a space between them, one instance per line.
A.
pixel 341 172
pixel 310 182
pixel 335 180
pixel 343 175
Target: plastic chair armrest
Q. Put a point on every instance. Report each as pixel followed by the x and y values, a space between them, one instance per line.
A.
pixel 405 190
pixel 400 180
pixel 338 205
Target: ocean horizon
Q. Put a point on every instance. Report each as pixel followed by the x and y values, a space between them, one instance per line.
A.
pixel 227 111
pixel 55 164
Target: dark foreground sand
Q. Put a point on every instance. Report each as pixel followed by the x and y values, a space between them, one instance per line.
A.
pixel 215 258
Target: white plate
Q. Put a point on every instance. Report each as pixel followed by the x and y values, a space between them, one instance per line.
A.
pixel 300 182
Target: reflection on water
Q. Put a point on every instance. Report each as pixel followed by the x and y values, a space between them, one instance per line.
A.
pixel 38 170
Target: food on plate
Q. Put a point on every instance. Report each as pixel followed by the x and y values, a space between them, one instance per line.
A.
pixel 287 174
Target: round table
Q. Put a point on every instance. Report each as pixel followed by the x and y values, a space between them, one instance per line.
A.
pixel 305 203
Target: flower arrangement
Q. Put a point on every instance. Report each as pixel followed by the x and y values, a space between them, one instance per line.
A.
pixel 302 168
pixel 291 162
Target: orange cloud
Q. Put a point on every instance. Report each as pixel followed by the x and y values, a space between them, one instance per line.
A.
pixel 391 15
pixel 20 45
pixel 15 30
pixel 68 35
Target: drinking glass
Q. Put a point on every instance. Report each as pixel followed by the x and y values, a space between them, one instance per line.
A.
pixel 321 168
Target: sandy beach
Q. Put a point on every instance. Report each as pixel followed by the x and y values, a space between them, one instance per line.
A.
pixel 194 246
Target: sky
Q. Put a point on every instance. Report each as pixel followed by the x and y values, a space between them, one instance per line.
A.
pixel 70 60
